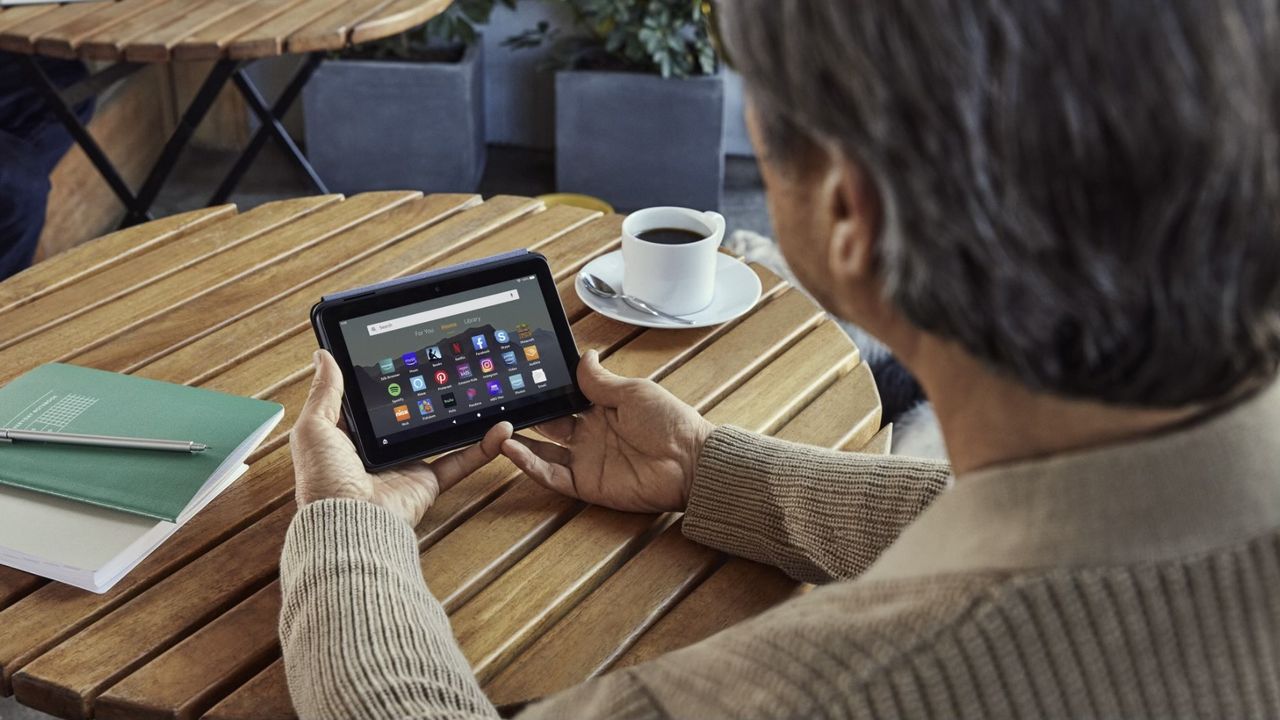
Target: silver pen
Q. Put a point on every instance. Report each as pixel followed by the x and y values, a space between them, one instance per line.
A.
pixel 108 441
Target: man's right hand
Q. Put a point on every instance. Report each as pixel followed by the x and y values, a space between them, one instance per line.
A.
pixel 635 450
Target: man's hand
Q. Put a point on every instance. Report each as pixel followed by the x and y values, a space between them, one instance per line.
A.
pixel 326 465
pixel 636 450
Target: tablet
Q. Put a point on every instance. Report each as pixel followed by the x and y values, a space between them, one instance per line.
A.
pixel 432 361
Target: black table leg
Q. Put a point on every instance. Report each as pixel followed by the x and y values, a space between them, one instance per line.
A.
pixel 137 207
pixel 199 107
pixel 60 107
pixel 271 127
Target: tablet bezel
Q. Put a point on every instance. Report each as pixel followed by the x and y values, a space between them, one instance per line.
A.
pixel 327 315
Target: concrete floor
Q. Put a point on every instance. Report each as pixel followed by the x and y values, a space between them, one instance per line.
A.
pixel 510 170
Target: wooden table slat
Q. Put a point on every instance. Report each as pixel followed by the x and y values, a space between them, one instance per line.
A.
pixel 211 41
pixel 882 443
pixel 242 345
pixel 74 265
pixel 268 39
pixel 191 676
pixel 740 589
pixel 63 304
pixel 21 38
pixel 104 324
pixel 64 40
pixel 398 17
pixel 157 42
pixel 850 407
pixel 332 31
pixel 265 287
pixel 109 43
pixel 605 623
pixel 14 585
pixel 15 16
pixel 265 697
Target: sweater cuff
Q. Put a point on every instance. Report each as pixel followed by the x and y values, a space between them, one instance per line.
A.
pixel 349 530
pixel 731 486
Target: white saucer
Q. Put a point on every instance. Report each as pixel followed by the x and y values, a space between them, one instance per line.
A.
pixel 737 291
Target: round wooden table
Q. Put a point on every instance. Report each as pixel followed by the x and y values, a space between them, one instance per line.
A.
pixel 543 591
pixel 229 32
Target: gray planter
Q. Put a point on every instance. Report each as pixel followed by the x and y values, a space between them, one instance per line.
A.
pixel 638 140
pixel 382 125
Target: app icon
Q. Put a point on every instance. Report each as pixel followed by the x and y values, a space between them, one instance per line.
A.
pixel 442 377
pixel 457 349
pixel 410 359
pixel 402 413
pixel 394 389
pixel 464 371
pixel 486 365
pixel 517 381
pixel 471 393
pixel 539 376
pixel 434 355
pixel 501 336
pixel 479 342
pixel 424 407
pixel 495 388
pixel 531 352
pixel 524 332
pixel 387 366
pixel 418 383
pixel 509 357
pixel 448 400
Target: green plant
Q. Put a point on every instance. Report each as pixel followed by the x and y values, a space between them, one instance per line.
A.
pixel 455 26
pixel 668 37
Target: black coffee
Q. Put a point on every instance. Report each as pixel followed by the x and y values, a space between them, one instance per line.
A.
pixel 671 236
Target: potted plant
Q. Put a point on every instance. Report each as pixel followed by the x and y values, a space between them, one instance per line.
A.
pixel 639 103
pixel 405 112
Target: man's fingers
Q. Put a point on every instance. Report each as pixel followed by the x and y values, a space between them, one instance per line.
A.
pixel 325 400
pixel 559 430
pixel 553 476
pixel 598 384
pixel 550 452
pixel 460 463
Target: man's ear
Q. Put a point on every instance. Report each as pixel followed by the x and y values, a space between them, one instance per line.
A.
pixel 854 214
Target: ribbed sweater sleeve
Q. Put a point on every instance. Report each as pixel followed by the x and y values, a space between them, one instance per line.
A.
pixel 361 635
pixel 817 514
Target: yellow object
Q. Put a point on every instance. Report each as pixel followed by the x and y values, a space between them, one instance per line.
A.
pixel 576 200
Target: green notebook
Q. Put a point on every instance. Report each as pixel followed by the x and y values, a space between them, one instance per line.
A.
pixel 67 398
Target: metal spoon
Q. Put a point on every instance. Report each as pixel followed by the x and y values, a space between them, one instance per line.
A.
pixel 600 288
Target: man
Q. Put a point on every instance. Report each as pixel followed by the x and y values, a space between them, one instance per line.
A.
pixel 32 141
pixel 1061 216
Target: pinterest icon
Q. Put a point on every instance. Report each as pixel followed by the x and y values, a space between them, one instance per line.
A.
pixel 442 377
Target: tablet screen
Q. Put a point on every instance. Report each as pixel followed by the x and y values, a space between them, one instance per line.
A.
pixel 455 359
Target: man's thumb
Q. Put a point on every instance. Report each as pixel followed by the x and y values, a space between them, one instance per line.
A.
pixel 598 384
pixel 325 400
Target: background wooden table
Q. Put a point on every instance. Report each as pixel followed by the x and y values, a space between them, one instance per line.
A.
pixel 162 30
pixel 543 591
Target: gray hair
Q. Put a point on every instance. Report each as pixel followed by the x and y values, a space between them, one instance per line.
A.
pixel 1082 193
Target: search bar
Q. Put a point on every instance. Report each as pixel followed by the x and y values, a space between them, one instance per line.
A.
pixel 427 316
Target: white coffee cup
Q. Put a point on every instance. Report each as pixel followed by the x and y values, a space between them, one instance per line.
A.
pixel 679 279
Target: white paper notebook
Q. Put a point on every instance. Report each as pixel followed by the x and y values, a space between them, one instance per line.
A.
pixel 88 546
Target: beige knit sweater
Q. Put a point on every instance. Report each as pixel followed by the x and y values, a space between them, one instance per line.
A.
pixel 1136 581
